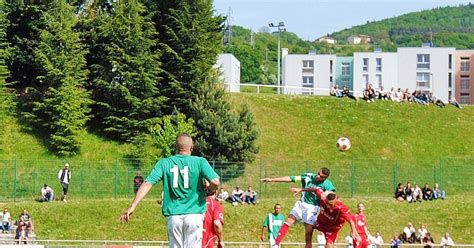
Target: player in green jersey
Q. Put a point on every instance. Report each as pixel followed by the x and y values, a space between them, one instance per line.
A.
pixel 272 223
pixel 307 208
pixel 184 194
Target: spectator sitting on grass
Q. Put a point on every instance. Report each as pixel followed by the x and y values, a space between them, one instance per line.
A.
pixel 383 95
pixel 408 191
pixel 369 94
pixel 446 241
pixel 408 235
pixel 223 195
pixel 22 233
pixel 421 233
pixel 438 193
pixel 436 101
pixel 6 221
pixel 453 101
pixel 250 196
pixel 427 192
pixel 335 91
pixel 428 241
pixel 400 193
pixel 47 194
pixel 347 93
pixel 417 194
pixel 395 242
pixel 237 196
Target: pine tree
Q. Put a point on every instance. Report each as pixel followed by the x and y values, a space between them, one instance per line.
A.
pixel 125 72
pixel 222 134
pixel 190 38
pixel 63 110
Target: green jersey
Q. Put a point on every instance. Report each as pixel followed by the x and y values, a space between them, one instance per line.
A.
pixel 183 189
pixel 308 180
pixel 273 223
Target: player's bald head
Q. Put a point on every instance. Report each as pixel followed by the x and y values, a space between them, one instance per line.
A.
pixel 184 143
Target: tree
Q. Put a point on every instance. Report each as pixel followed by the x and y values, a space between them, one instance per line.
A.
pixel 125 72
pixel 63 109
pixel 190 37
pixel 223 135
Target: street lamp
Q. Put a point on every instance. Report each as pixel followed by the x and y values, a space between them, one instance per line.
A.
pixel 281 28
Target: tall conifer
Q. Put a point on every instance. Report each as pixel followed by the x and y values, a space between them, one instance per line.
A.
pixel 126 72
pixel 64 107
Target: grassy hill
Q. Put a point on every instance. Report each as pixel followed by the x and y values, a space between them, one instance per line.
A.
pixel 293 129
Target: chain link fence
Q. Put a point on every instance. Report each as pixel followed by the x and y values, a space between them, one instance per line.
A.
pixel 23 179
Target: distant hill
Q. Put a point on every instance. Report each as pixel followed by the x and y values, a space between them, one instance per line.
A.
pixel 449 26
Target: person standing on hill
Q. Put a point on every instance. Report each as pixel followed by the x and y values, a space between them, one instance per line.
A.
pixel 307 208
pixel 184 195
pixel 361 225
pixel 273 223
pixel 64 176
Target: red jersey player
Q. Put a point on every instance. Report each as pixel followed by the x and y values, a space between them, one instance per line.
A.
pixel 213 222
pixel 334 213
pixel 361 225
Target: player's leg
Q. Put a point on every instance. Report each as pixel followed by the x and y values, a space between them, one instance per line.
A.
pixel 192 230
pixel 174 224
pixel 308 234
pixel 295 215
pixel 309 216
pixel 331 236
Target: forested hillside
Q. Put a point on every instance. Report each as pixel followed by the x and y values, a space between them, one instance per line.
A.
pixel 448 26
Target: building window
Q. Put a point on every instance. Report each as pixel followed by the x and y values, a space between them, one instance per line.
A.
pixel 465 82
pixel 308 66
pixel 465 64
pixel 450 94
pixel 365 67
pixel 330 66
pixel 450 79
pixel 422 80
pixel 345 69
pixel 365 79
pixel 378 80
pixel 378 67
pixel 345 82
pixel 450 61
pixel 423 61
pixel 465 99
pixel 330 79
pixel 308 81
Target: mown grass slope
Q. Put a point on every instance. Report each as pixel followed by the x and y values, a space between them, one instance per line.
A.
pixel 292 128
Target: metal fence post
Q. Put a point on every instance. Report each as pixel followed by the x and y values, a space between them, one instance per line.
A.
pixel 15 181
pixel 352 178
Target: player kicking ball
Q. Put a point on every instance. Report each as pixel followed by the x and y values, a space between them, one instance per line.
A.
pixel 332 216
pixel 307 208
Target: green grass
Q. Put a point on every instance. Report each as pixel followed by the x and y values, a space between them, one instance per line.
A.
pixel 98 219
pixel 297 133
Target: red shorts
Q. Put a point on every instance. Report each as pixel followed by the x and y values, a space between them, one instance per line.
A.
pixel 330 234
pixel 363 241
pixel 208 241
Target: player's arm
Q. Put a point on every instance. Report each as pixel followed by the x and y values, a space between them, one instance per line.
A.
pixel 277 180
pixel 346 214
pixel 218 230
pixel 264 230
pixel 141 193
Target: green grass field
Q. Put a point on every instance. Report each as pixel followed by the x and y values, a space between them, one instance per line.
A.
pixel 296 133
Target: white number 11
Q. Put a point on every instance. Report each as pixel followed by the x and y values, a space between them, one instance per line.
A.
pixel 175 170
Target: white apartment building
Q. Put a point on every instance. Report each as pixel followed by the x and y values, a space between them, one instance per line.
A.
pixel 307 73
pixel 376 68
pixel 229 67
pixel 426 68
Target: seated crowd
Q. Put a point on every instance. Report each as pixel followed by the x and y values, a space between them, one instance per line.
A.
pixel 418 97
pixel 24 225
pixel 416 194
pixel 421 236
pixel 238 196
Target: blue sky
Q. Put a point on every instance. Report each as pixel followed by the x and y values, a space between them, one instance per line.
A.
pixel 310 19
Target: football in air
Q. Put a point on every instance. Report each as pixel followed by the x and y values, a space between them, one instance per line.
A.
pixel 343 144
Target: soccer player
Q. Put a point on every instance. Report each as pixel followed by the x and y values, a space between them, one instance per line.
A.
pixel 273 223
pixel 307 208
pixel 184 198
pixel 361 225
pixel 213 222
pixel 332 216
